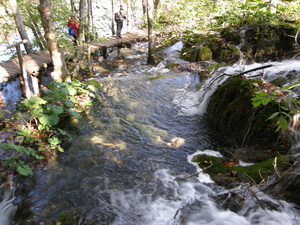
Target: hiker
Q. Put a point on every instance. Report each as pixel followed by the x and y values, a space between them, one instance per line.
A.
pixel 73 27
pixel 119 18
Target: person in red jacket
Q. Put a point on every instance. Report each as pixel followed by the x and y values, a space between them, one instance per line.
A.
pixel 73 27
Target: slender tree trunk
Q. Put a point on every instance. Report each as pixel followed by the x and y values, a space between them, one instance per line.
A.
pixel 88 27
pixel 60 70
pixel 156 2
pixel 82 27
pixel 144 2
pixel 129 15
pixel 91 16
pixel 150 59
pixel 112 18
pixel 72 6
pixel 20 25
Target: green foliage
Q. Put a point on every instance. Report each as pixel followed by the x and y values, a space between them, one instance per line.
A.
pixel 288 105
pixel 61 101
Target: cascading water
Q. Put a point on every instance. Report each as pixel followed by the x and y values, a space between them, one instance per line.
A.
pixel 130 163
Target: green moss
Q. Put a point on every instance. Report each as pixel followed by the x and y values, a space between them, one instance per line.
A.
pixel 156 77
pixel 228 54
pixel 171 65
pixel 211 164
pixel 70 217
pixel 231 35
pixel 205 54
pixel 230 176
pixel 262 170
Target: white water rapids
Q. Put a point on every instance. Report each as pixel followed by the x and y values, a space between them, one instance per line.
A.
pixel 130 162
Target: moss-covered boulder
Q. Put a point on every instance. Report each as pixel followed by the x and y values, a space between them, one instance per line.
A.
pixel 231 35
pixel 231 113
pixel 228 54
pixel 268 42
pixel 205 54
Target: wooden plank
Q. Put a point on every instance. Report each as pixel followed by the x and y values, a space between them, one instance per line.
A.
pixel 34 62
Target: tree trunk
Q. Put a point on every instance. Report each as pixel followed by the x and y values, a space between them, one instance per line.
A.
pixel 150 59
pixel 91 20
pixel 156 2
pixel 72 6
pixel 82 27
pixel 60 70
pixel 144 2
pixel 112 18
pixel 129 16
pixel 20 25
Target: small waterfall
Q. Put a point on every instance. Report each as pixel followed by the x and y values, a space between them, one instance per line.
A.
pixel 7 208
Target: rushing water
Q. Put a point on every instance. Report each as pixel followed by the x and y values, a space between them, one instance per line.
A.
pixel 123 165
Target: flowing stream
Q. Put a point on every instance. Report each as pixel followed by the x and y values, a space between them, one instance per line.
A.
pixel 125 161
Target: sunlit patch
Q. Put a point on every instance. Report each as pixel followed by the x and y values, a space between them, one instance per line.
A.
pixel 157 140
pixel 130 117
pixel 114 158
pixel 97 140
pixel 133 105
pixel 176 142
pixel 121 145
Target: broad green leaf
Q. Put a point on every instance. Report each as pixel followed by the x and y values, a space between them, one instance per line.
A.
pixel 57 109
pixel 273 115
pixel 68 104
pixel 72 91
pixel 89 103
pixel 265 101
pixel 74 114
pixel 60 149
pixel 54 141
pixel 37 100
pixel 283 123
pixel 25 170
pixel 49 120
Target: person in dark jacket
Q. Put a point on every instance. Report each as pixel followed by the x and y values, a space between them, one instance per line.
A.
pixel 119 18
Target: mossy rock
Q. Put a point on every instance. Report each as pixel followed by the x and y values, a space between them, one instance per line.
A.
pixel 231 113
pixel 270 42
pixel 228 54
pixel 231 35
pixel 260 171
pixel 234 175
pixel 189 54
pixel 205 54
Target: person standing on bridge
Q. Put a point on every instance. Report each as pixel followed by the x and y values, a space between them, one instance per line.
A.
pixel 73 27
pixel 119 18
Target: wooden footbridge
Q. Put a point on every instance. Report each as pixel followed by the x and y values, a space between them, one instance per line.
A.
pixel 34 62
